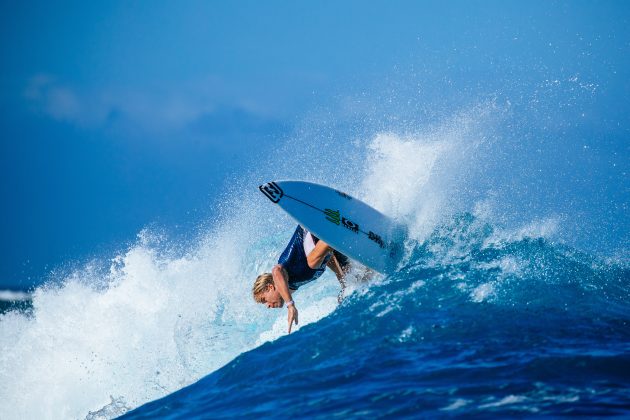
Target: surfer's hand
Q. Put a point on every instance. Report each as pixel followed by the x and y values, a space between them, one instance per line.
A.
pixel 293 316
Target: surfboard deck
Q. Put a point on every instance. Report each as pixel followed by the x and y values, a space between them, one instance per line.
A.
pixel 347 224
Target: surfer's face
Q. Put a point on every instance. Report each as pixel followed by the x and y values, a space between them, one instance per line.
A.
pixel 271 298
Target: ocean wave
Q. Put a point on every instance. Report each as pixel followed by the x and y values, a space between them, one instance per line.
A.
pixel 475 303
pixel 548 339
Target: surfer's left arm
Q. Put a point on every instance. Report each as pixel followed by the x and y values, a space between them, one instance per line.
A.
pixel 318 254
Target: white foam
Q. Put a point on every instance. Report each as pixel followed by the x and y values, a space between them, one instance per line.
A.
pixel 457 404
pixel 545 228
pixel 416 177
pixel 10 295
pixel 508 400
pixel 148 326
pixel 313 312
pixel 156 319
pixel 483 292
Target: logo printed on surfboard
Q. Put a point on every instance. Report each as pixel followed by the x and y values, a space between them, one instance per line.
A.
pixel 332 216
pixel 344 195
pixel 376 238
pixel 335 217
pixel 350 225
pixel 272 191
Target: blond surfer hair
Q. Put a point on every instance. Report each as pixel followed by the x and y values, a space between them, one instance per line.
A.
pixel 260 285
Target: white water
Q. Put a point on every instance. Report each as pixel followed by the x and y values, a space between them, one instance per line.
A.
pixel 10 295
pixel 158 318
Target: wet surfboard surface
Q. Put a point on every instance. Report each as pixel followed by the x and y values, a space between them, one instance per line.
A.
pixel 347 224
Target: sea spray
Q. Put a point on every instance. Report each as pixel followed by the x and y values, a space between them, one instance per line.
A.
pixel 160 315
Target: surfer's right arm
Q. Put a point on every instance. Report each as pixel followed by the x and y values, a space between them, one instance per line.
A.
pixel 281 282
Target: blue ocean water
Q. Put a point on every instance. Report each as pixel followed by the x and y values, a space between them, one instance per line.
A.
pixel 498 308
pixel 472 324
pixel 497 133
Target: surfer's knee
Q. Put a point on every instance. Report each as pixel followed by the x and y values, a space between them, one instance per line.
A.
pixel 260 285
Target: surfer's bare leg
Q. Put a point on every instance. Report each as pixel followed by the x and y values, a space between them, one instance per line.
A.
pixel 334 265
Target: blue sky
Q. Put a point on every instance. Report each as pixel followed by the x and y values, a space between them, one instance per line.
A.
pixel 119 115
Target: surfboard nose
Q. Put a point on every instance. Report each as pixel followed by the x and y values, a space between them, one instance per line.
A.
pixel 272 191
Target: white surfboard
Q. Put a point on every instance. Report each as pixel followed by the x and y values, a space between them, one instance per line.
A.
pixel 348 225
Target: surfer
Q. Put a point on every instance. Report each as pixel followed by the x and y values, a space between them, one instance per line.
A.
pixel 304 259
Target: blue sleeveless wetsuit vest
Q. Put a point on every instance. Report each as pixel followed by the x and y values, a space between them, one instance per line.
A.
pixel 293 259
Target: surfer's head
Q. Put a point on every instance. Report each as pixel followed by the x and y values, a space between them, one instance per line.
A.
pixel 265 291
